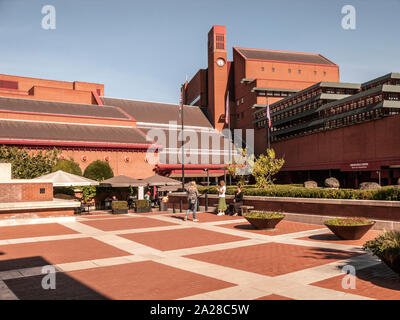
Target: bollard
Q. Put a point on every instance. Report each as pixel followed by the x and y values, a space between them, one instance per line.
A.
pixel 173 207
pixel 198 205
pixel 180 206
pixel 206 203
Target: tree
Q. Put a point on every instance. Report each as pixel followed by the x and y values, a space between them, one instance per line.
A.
pixel 98 170
pixel 241 166
pixel 28 164
pixel 265 167
pixel 69 166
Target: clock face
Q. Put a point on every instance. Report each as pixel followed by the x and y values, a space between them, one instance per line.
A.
pixel 220 62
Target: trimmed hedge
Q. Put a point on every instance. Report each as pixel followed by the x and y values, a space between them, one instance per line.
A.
pixel 119 205
pixel 386 193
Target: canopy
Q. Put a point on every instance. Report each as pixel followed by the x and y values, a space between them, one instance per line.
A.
pixel 158 180
pixel 64 179
pixel 122 182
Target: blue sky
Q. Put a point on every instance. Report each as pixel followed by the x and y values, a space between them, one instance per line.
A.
pixel 143 49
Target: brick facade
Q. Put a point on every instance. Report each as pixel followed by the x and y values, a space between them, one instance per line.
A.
pixel 25 192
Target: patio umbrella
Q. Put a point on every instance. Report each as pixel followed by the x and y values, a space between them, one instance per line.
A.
pixel 158 180
pixel 65 179
pixel 122 182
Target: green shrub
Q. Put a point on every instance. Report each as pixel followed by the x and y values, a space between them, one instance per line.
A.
pixel 386 246
pixel 264 215
pixel 142 203
pixel 69 166
pixel 98 170
pixel 351 221
pixel 119 205
pixel 296 191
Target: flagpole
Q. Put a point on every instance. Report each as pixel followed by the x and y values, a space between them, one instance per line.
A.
pixel 183 142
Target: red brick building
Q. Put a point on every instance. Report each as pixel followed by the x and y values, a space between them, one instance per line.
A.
pixel 254 78
pixel 76 118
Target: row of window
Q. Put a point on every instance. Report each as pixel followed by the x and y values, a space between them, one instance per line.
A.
pixel 345 121
pixel 298 71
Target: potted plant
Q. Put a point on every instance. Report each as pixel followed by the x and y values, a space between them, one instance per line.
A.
pixel 386 247
pixel 119 207
pixel 142 206
pixel 352 228
pixel 264 220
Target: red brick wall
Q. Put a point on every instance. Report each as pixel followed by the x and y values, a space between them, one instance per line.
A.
pixel 43 89
pixel 321 207
pixel 137 167
pixel 25 192
pixel 366 142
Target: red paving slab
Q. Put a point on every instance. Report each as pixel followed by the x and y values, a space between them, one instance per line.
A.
pixel 154 213
pixel 206 217
pixel 273 259
pixel 283 227
pixel 34 254
pixel 34 230
pixel 377 282
pixel 136 281
pixel 119 216
pixel 274 297
pixel 331 238
pixel 127 223
pixel 180 238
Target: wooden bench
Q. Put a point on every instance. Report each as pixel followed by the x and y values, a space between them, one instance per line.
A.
pixel 245 209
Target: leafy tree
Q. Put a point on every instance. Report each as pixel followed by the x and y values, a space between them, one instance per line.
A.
pixel 98 170
pixel 265 167
pixel 88 192
pixel 69 166
pixel 241 165
pixel 29 164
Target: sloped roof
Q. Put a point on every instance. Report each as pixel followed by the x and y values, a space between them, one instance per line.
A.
pixel 287 56
pixel 77 134
pixel 60 108
pixel 162 113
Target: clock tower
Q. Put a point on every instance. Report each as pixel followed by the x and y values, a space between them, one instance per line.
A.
pixel 217 76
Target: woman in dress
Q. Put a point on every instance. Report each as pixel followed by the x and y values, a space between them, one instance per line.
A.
pixel 221 198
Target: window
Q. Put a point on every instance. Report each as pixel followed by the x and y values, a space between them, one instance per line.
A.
pixel 242 115
pixel 324 73
pixel 289 70
pixel 262 68
pixel 299 71
pixel 273 69
pixel 315 72
pixel 42 190
pixel 242 100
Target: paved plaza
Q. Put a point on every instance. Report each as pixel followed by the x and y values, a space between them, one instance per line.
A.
pixel 160 256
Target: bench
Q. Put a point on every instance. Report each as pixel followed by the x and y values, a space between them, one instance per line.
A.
pixel 245 209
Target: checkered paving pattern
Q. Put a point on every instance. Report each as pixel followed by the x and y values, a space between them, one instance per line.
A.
pixel 160 256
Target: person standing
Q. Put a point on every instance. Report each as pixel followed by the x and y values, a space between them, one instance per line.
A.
pixel 193 196
pixel 221 198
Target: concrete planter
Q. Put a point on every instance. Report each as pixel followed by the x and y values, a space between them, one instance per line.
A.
pixel 120 211
pixel 350 232
pixel 263 223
